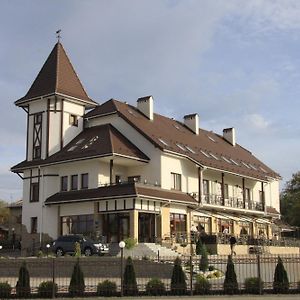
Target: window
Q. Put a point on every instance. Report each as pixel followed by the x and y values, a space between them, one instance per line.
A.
pixel 247 194
pixel 73 120
pixel 180 147
pixel 261 196
pixel 163 142
pixel 74 182
pixel 134 178
pixel 34 192
pixel 118 179
pixel 37 118
pixel 205 187
pixel 33 227
pixel 176 181
pixel 64 183
pixel 203 223
pixel 84 181
pixel 177 223
pixel 83 224
pixel 37 152
pixel 226 191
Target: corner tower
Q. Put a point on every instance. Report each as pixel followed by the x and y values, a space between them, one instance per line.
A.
pixel 55 104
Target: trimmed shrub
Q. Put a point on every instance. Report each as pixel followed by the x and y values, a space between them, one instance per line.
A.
pixel 77 250
pixel 252 285
pixel 77 286
pixel 107 289
pixel 5 290
pixel 211 268
pixel 203 265
pixel 155 287
pixel 202 286
pixel 23 283
pixel 198 247
pixel 129 281
pixel 130 243
pixel 230 286
pixel 45 289
pixel 178 283
pixel 281 280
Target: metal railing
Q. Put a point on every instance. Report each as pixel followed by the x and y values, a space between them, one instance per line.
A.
pixel 95 270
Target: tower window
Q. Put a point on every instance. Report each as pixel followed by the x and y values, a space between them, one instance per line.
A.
pixel 64 183
pixel 34 193
pixel 37 152
pixel 34 222
pixel 73 120
pixel 37 118
pixel 176 181
pixel 84 181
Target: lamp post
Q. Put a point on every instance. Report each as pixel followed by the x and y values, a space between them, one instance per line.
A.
pixel 13 238
pixel 122 245
pixel 47 247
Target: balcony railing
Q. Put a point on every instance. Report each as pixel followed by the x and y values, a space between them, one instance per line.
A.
pixel 234 202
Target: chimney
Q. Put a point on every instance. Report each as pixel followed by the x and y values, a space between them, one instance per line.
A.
pixel 229 135
pixel 145 106
pixel 192 122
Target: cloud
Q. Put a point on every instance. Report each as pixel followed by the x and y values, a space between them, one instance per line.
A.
pixel 257 122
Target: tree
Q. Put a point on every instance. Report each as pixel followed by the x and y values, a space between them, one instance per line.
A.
pixel 290 201
pixel 23 283
pixel 178 283
pixel 4 212
pixel 129 281
pixel 230 282
pixel 281 281
pixel 77 286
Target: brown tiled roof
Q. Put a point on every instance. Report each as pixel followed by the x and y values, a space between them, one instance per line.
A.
pixel 98 141
pixel 57 76
pixel 272 210
pixel 173 132
pixel 119 191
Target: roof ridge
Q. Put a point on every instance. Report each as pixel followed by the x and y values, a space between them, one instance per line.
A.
pixel 57 67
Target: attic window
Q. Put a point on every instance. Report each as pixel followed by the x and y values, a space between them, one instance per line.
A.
pixel 190 149
pixel 73 120
pixel 245 165
pixel 212 139
pixel 131 112
pixel 91 142
pixel 177 127
pixel 264 170
pixel 226 159
pixel 205 154
pixel 234 162
pixel 80 141
pixel 180 147
pixel 163 142
pixel 214 156
pixel 253 167
pixel 72 148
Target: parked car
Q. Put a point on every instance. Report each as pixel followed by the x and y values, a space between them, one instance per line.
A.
pixel 66 244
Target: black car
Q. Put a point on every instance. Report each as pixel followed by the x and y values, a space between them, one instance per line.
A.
pixel 66 244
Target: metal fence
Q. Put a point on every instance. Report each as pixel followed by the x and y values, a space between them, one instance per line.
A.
pixel 98 269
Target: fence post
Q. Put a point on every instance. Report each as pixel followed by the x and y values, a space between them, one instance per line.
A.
pixel 157 255
pixel 191 275
pixel 53 278
pixel 259 274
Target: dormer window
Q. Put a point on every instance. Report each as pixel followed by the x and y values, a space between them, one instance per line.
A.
pixel 73 120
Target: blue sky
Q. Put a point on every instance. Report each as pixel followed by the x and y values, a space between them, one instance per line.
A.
pixel 235 63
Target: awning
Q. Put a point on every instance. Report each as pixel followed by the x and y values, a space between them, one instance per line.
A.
pixel 202 214
pixel 230 217
pixel 246 219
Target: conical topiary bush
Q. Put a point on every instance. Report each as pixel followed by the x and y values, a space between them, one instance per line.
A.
pixel 203 266
pixel 23 283
pixel 178 283
pixel 129 279
pixel 198 246
pixel 281 280
pixel 77 286
pixel 230 283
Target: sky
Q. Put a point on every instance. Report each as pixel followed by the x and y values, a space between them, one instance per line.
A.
pixel 235 63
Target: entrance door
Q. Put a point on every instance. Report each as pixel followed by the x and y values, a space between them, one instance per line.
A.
pixel 123 227
pixel 146 228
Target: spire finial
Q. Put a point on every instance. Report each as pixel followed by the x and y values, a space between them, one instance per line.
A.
pixel 58 36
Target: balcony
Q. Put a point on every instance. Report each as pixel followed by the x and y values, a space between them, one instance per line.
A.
pixel 231 202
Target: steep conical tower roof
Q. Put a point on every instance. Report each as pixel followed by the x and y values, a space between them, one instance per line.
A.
pixel 57 76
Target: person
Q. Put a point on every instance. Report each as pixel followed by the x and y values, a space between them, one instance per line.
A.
pixel 194 233
pixel 232 242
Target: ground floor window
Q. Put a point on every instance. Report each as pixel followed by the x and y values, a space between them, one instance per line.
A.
pixel 33 224
pixel 245 228
pixel 177 223
pixel 203 224
pixel 83 224
pixel 225 226
pixel 262 230
pixel 115 227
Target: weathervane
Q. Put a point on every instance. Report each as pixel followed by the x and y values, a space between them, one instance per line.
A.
pixel 58 36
